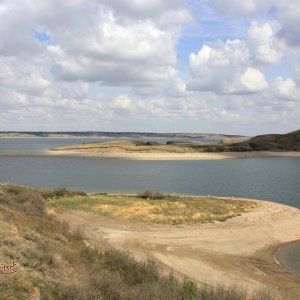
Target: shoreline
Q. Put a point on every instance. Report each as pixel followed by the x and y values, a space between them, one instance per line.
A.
pixel 277 260
pixel 152 156
pixel 241 247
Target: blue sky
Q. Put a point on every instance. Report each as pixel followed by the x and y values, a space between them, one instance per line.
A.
pixel 174 65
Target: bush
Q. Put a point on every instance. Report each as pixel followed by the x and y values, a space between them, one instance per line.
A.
pixel 77 234
pixel 14 189
pixel 190 289
pixel 32 236
pixel 147 194
pixel 61 192
pixel 144 143
pixel 4 199
pixel 31 202
pixel 132 271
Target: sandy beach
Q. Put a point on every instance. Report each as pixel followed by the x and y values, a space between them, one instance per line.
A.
pixel 179 156
pixel 238 251
pixel 154 156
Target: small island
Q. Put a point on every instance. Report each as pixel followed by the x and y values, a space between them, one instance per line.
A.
pixel 263 145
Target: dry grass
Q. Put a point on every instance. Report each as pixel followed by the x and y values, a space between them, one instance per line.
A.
pixel 166 209
pixel 131 146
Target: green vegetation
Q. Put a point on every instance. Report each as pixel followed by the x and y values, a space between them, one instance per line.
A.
pixel 61 192
pixel 147 194
pixel 155 207
pixel 268 142
pixel 132 146
pixel 54 262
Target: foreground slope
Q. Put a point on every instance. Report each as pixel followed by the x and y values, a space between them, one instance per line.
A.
pixel 54 261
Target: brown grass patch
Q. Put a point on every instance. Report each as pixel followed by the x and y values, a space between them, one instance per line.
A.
pixel 167 209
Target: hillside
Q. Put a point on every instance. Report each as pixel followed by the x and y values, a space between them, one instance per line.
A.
pixel 50 260
pixel 268 142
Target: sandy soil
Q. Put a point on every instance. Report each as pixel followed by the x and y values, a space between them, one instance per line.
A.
pixel 176 156
pixel 238 251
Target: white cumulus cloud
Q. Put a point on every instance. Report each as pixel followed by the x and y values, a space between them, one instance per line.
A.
pixel 254 80
pixel 287 89
pixel 268 48
pixel 225 68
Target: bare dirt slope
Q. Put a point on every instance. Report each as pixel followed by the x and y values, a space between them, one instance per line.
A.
pixel 238 251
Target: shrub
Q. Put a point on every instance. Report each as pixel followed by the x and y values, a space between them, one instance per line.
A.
pixel 147 194
pixel 4 199
pixel 14 189
pixel 144 143
pixel 132 271
pixel 65 226
pixel 32 236
pixel 31 202
pixel 61 192
pixel 190 289
pixel 77 234
pixel 60 238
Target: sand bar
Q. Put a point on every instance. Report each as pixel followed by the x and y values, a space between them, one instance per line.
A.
pixel 153 156
pixel 186 156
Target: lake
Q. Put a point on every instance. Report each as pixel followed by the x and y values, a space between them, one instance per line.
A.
pixel 41 144
pixel 273 178
pixel 289 256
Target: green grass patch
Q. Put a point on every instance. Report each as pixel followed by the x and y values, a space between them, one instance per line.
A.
pixel 167 209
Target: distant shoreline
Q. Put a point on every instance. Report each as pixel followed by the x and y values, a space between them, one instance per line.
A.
pixel 103 134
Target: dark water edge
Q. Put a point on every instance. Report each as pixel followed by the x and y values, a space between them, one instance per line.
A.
pixel 288 256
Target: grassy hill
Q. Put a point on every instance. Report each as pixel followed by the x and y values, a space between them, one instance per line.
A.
pixel 268 142
pixel 55 262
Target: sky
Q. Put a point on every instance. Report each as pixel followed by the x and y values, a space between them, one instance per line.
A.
pixel 207 66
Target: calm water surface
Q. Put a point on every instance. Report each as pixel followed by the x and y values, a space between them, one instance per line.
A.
pixel 42 144
pixel 275 179
pixel 289 256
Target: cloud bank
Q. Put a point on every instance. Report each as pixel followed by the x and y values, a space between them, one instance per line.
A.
pixel 150 65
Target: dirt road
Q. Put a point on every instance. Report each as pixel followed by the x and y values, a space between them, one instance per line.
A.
pixel 238 251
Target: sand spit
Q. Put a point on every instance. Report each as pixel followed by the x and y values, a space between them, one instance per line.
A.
pixel 152 156
pixel 239 251
pixel 173 156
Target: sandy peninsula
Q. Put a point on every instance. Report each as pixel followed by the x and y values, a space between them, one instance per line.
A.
pixel 171 156
pixel 239 251
pixel 130 149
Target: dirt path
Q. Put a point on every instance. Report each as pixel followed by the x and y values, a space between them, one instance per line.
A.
pixel 238 251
